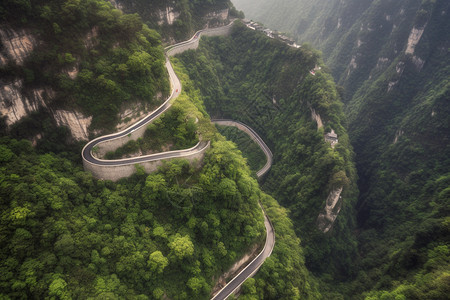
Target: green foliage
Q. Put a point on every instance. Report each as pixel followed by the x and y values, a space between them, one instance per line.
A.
pixel 397 105
pixel 283 275
pixel 174 130
pixel 256 158
pixel 66 235
pixel 157 262
pixel 118 59
pixel 190 16
pixel 249 77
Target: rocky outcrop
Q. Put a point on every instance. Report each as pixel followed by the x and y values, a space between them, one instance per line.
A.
pixel 316 117
pixel 169 15
pixel 75 121
pixel 418 62
pixel 221 14
pixel 91 38
pixel 413 40
pixel 17 45
pixel 332 208
pixel 15 104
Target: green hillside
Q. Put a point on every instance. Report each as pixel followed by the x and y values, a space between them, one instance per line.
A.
pixel 185 17
pixel 392 60
pixel 116 58
pixel 267 85
pixel 169 234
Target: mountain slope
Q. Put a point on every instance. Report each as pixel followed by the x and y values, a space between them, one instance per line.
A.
pixel 248 77
pixel 392 60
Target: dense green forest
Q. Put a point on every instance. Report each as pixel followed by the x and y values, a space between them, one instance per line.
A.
pixel 174 130
pixel 171 234
pixel 65 234
pixel 249 77
pixel 396 89
pixel 116 58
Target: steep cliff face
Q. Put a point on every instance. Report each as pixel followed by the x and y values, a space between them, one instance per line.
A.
pixel 78 65
pixel 16 45
pixel 43 70
pixel 240 76
pixel 177 20
pixel 17 101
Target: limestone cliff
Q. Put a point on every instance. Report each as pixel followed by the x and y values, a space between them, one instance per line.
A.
pixel 177 20
pixel 26 88
pixel 16 45
pixel 17 101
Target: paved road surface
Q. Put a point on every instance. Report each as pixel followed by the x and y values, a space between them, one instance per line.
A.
pixel 247 129
pixel 251 268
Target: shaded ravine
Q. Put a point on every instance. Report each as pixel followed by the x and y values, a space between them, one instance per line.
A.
pixel 91 163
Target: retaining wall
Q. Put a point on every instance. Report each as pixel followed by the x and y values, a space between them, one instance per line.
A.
pixel 124 169
pixel 192 44
pixel 120 168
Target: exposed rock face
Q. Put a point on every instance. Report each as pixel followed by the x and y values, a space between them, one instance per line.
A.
pixel 391 85
pixel 168 16
pixel 77 123
pixel 332 207
pixel 221 14
pixel 398 134
pixel 14 104
pixel 131 114
pixel 17 45
pixel 316 117
pixel 90 39
pixel 73 72
pixel 116 4
pixel 414 38
pixel 418 62
pixel 382 62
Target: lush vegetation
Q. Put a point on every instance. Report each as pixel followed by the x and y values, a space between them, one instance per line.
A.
pixel 249 77
pixel 167 234
pixel 256 158
pixel 185 17
pixel 283 275
pixel 65 234
pixel 397 105
pixel 92 56
pixel 174 130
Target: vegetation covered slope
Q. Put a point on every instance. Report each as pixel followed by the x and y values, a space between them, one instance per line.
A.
pixel 267 85
pixel 179 19
pixel 168 234
pixel 64 234
pixel 393 61
pixel 256 158
pixel 94 58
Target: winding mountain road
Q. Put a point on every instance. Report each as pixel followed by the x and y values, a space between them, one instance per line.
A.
pixel 90 160
pixel 255 137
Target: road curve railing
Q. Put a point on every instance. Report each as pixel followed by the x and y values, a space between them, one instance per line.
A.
pixel 89 160
pixel 97 166
pixel 194 40
pixel 252 267
pixel 256 263
pixel 255 137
